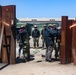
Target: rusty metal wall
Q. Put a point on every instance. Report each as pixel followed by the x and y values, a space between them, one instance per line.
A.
pixel 69 42
pixel 66 40
pixel 63 40
pixel 9 16
pixel 74 42
pixel 0 24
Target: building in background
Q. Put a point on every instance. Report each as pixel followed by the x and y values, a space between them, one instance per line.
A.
pixel 41 21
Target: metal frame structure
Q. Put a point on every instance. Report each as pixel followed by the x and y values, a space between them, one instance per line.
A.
pixel 7 26
pixel 68 43
pixel 8 40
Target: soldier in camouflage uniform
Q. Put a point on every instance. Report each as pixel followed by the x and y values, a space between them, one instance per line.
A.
pixel 58 43
pixel 23 39
pixel 36 35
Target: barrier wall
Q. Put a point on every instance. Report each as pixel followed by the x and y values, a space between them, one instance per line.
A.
pixel 8 25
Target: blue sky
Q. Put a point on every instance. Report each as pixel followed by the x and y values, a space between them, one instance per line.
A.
pixel 42 8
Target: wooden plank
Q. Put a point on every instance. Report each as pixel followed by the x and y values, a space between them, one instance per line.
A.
pixel 1 36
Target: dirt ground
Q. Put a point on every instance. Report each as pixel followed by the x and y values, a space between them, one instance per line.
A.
pixel 38 66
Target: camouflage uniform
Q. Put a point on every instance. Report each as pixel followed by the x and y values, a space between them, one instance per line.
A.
pixel 43 42
pixel 58 43
pixel 23 39
pixel 36 35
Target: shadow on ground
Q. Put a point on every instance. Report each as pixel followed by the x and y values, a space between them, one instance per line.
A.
pixel 0 61
pixel 3 66
pixel 21 60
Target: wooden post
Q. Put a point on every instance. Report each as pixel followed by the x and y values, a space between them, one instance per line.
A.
pixel 74 43
pixel 66 36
